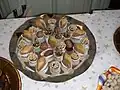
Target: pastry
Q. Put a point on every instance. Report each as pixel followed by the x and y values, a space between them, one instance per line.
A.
pixel 77 35
pixel 85 41
pixel 48 53
pixel 40 36
pixel 41 65
pixel 24 52
pixel 58 51
pixel 63 24
pixel 57 33
pixel 75 58
pixel 43 46
pixel 61 46
pixel 57 30
pixel 55 67
pixel 58 54
pixel 67 62
pixel 22 42
pixel 47 32
pixel 67 34
pixel 32 59
pixel 33 29
pixel 58 36
pixel 72 27
pixel 80 48
pixel 52 23
pixel 69 45
pixel 36 46
pixel 27 34
pixel 52 41
pixel 80 27
pixel 45 17
pixel 40 23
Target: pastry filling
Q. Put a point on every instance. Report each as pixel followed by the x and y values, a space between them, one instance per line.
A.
pixel 48 53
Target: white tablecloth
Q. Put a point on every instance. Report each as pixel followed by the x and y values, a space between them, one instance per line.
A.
pixel 101 23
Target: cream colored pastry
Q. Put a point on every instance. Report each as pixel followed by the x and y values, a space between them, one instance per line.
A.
pixel 79 27
pixel 74 56
pixel 85 40
pixel 40 23
pixel 32 59
pixel 75 59
pixel 67 60
pixel 72 27
pixel 27 34
pixel 32 29
pixel 42 64
pixel 40 36
pixel 58 54
pixel 55 67
pixel 78 33
pixel 22 43
pixel 61 46
pixel 52 41
pixel 80 48
pixel 63 22
pixel 26 49
pixel 67 64
pixel 24 52
pixel 52 21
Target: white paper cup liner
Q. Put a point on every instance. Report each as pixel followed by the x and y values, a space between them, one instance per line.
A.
pixel 42 39
pixel 32 63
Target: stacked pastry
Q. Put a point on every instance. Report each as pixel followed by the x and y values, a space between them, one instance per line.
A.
pixel 53 45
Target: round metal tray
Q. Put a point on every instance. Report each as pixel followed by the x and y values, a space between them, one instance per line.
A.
pixel 80 70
